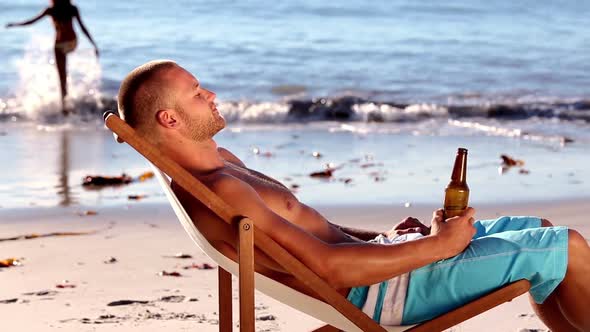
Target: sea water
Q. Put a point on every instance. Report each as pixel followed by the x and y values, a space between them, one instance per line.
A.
pixel 384 91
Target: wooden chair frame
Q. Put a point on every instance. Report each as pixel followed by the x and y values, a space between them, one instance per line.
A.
pixel 250 236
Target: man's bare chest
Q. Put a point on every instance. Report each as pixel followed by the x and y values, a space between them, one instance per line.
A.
pixel 277 197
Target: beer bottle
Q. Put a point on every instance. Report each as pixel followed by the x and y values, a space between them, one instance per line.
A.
pixel 457 192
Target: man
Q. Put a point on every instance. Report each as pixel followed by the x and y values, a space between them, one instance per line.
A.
pixel 415 272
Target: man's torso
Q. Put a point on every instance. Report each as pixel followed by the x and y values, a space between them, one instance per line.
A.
pixel 276 196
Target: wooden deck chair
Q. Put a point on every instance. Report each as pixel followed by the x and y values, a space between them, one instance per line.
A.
pixel 335 310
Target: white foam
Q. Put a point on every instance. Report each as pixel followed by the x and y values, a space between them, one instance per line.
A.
pixel 388 113
pixel 37 92
pixel 265 112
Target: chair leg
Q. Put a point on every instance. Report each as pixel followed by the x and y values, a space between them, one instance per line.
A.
pixel 326 328
pixel 246 275
pixel 225 300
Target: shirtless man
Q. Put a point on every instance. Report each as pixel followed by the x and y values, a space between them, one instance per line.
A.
pixel 62 13
pixel 435 270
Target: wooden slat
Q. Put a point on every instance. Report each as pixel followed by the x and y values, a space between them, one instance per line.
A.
pixel 225 300
pixel 474 308
pixel 229 215
pixel 246 276
pixel 326 328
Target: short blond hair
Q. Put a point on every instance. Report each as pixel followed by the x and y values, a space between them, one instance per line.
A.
pixel 143 93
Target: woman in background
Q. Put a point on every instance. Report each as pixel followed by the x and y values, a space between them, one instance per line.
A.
pixel 62 12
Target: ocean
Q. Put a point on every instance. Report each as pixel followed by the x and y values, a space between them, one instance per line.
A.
pixel 385 91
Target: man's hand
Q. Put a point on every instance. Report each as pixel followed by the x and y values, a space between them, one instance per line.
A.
pixel 406 226
pixel 455 233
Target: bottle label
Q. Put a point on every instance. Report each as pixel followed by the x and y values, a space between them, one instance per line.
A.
pixel 456 202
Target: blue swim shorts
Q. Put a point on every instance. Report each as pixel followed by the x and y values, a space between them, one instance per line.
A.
pixel 504 250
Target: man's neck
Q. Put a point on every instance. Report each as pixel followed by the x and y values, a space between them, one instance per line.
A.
pixel 197 157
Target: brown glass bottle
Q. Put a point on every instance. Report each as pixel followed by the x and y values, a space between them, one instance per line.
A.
pixel 457 192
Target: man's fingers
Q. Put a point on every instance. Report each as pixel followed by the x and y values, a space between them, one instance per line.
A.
pixel 437 220
pixel 437 213
pixel 409 230
pixel 469 212
pixel 420 227
pixel 408 222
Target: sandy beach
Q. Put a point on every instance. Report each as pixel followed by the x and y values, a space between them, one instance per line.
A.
pixel 119 273
pixel 111 278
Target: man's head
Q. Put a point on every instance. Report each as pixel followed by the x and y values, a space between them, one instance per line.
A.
pixel 160 98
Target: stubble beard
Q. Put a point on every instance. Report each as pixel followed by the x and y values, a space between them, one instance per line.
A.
pixel 201 131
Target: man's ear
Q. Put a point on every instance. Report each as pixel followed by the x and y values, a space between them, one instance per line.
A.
pixel 167 118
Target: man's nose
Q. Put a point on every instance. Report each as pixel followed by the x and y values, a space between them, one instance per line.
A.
pixel 210 95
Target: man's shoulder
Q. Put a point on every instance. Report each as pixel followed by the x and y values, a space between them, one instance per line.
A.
pixel 225 184
pixel 219 182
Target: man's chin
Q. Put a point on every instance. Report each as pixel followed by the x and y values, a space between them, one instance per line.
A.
pixel 221 123
pixel 218 127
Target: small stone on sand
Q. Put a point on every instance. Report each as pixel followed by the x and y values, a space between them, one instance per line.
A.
pixel 266 317
pixel 125 302
pixel 8 301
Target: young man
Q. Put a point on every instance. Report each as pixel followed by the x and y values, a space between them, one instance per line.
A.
pixel 415 272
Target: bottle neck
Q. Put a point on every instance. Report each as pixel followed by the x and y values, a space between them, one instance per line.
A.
pixel 459 174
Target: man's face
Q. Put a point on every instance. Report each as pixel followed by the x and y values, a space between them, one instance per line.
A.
pixel 195 105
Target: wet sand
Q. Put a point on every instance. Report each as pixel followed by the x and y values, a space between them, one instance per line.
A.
pixel 44 165
pixel 141 237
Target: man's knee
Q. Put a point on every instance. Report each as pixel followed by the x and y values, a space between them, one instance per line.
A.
pixel 576 240
pixel 546 223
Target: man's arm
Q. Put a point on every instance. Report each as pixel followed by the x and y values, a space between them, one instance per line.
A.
pixel 348 264
pixel 408 225
pixel 361 234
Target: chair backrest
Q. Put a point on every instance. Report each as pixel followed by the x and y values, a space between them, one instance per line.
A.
pixel 276 290
pixel 339 313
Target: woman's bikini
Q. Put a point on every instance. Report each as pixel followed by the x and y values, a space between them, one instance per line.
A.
pixel 65 40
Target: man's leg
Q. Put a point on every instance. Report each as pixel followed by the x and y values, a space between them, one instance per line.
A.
pixel 507 223
pixel 556 316
pixel 573 294
pixel 535 253
pixel 550 312
pixel 546 223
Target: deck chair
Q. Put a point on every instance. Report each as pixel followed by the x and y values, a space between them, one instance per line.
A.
pixel 337 312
